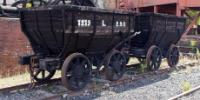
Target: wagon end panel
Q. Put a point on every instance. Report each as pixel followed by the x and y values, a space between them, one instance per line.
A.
pixel 46 21
pixel 181 27
pixel 174 28
pixel 46 29
pixel 30 29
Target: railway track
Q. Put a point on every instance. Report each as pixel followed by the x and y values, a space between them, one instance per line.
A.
pixel 124 80
pixel 185 93
pixel 28 85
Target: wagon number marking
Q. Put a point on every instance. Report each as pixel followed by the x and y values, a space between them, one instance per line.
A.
pixel 120 24
pixel 87 23
pixel 84 22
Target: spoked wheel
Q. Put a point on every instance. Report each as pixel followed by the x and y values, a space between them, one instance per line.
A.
pixel 115 66
pixel 125 52
pixel 76 72
pixel 41 75
pixel 153 59
pixel 173 56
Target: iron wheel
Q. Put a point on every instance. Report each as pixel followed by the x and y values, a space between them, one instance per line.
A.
pixel 115 66
pixel 154 58
pixel 173 56
pixel 42 75
pixel 76 72
pixel 125 52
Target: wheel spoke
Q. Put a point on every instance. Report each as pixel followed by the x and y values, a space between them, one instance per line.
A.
pixel 72 82
pixel 78 62
pixel 154 57
pixel 154 65
pixel 115 66
pixel 43 73
pixel 69 74
pixel 83 63
pixel 116 69
pixel 76 83
pixel 118 57
pixel 37 72
pixel 86 70
pixel 79 83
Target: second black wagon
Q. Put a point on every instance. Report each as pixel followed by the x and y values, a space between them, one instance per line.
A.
pixel 158 36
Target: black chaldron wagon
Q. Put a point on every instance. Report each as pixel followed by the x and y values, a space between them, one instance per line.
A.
pixel 158 36
pixel 80 39
pixel 74 39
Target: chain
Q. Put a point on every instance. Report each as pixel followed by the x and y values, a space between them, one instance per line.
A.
pixel 31 71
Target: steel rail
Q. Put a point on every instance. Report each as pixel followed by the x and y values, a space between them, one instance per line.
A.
pixel 185 93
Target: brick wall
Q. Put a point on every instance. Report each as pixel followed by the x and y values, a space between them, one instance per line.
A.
pixel 12 44
pixel 110 4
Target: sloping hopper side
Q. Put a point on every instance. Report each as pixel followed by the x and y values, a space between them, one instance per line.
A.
pixel 67 29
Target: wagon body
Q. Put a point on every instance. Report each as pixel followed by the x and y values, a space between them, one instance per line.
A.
pixel 57 31
pixel 161 30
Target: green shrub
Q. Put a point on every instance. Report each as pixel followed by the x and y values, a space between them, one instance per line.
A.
pixel 193 43
pixel 142 67
pixel 186 86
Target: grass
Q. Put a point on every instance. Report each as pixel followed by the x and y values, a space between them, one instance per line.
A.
pixel 14 80
pixel 193 43
pixel 186 86
pixel 20 79
pixel 142 68
pixel 9 66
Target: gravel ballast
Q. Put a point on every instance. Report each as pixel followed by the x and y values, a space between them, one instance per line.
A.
pixel 192 96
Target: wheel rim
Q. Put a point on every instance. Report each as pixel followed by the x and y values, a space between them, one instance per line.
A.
pixel 42 75
pixel 77 73
pixel 154 59
pixel 116 67
pixel 173 57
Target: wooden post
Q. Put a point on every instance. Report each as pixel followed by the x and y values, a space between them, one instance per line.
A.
pixel 4 2
pixel 155 9
pixel 116 3
pixel 178 9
